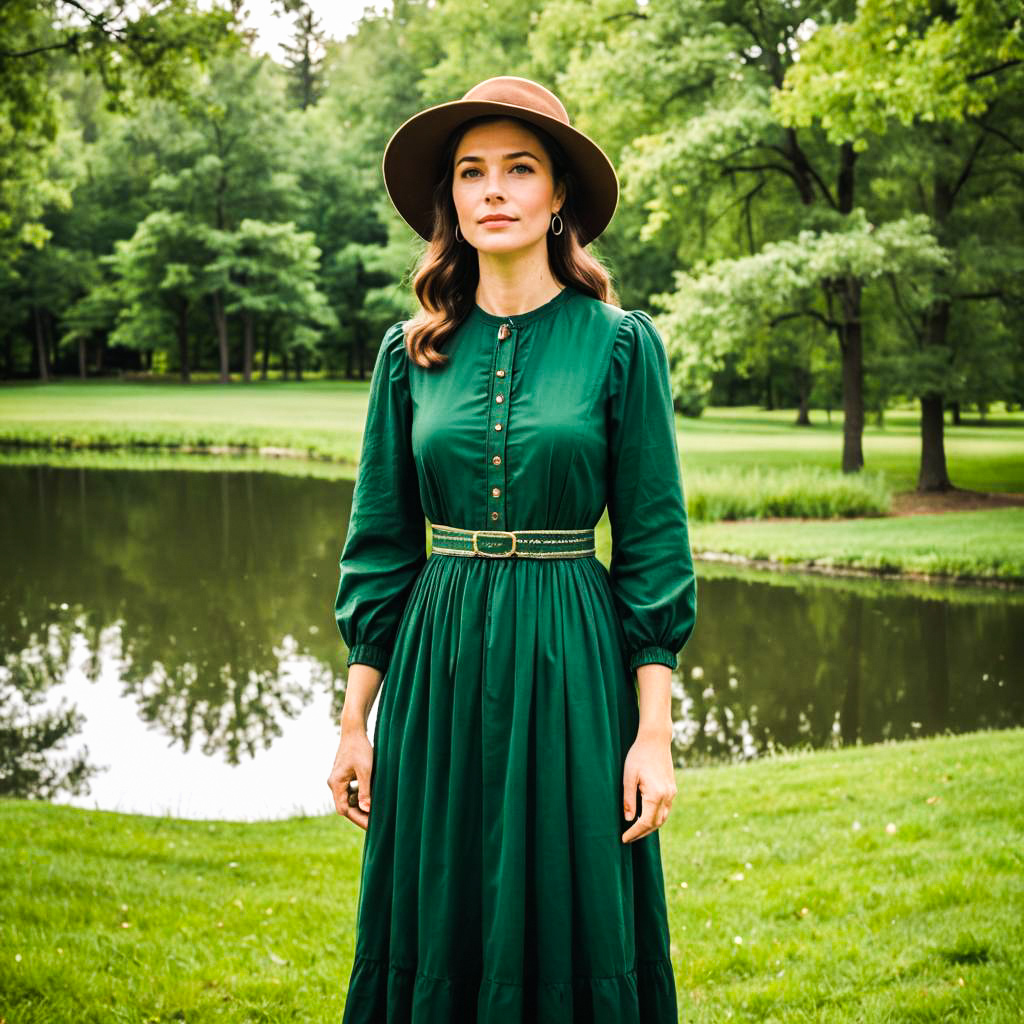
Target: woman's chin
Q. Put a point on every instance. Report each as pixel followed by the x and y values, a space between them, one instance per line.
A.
pixel 498 243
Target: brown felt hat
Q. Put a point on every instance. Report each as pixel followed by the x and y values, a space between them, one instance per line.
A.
pixel 412 159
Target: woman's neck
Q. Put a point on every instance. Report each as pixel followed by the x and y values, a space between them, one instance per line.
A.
pixel 515 283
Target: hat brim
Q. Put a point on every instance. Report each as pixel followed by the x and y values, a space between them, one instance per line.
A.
pixel 412 163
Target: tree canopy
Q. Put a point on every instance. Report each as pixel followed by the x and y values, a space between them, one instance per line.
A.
pixel 820 203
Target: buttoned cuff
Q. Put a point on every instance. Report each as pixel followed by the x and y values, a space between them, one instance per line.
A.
pixel 370 654
pixel 652 655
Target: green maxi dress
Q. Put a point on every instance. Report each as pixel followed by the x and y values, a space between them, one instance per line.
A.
pixel 494 885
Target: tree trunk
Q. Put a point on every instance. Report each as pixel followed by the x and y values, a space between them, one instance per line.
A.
pixel 933 475
pixel 954 409
pixel 298 364
pixel 851 346
pixel 186 374
pixel 803 413
pixel 247 345
pixel 265 360
pixel 41 364
pixel 50 342
pixel 851 339
pixel 220 320
pixel 82 355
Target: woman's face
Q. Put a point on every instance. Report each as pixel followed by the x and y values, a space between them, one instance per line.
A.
pixel 504 188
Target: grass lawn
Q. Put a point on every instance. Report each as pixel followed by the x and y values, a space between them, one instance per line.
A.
pixel 981 458
pixel 326 418
pixel 867 884
pixel 986 544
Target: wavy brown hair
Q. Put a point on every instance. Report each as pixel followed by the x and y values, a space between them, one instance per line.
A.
pixel 448 271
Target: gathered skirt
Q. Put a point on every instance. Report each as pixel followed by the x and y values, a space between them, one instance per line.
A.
pixel 495 887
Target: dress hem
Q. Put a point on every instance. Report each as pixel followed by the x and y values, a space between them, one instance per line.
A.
pixel 381 991
pixel 581 979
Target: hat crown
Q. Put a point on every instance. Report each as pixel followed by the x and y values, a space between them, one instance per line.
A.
pixel 519 92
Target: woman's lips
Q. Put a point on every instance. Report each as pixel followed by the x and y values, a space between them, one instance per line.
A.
pixel 497 222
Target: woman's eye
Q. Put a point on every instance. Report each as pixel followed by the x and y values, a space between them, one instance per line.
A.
pixel 469 171
pixel 525 167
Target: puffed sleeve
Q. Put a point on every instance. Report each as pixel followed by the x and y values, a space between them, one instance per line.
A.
pixel 385 547
pixel 651 569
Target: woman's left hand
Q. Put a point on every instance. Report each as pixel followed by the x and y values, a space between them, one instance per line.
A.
pixel 650 769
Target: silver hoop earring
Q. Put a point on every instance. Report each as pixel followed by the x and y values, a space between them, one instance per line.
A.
pixel 458 234
pixel 561 225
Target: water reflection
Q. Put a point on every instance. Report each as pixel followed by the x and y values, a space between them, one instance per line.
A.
pixel 181 623
pixel 199 593
pixel 781 662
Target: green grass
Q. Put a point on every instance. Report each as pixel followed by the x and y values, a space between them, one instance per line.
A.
pixel 874 884
pixel 987 544
pixel 788 491
pixel 326 418
pixel 981 458
pixel 321 418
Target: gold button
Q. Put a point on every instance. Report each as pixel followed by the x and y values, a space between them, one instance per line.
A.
pixel 496 460
pixel 500 399
pixel 494 515
pixel 497 426
pixel 500 373
pixel 495 491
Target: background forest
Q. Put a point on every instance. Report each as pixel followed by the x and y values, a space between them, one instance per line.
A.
pixel 821 202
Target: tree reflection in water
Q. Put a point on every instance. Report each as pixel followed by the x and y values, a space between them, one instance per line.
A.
pixel 206 600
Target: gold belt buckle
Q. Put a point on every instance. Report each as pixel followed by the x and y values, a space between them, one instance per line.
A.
pixel 494 554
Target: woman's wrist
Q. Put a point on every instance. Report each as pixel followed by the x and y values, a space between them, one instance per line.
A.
pixel 655 732
pixel 353 721
pixel 654 683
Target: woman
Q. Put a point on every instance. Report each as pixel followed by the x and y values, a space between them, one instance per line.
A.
pixel 511 867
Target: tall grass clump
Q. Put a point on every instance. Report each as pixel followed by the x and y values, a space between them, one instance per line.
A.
pixel 800 492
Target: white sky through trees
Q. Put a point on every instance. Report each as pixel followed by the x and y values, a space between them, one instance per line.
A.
pixel 338 18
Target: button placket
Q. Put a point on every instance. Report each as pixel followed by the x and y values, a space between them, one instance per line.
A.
pixel 497 422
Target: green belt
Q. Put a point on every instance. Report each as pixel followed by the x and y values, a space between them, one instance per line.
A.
pixel 451 540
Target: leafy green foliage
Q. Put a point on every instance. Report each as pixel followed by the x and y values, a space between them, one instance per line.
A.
pixel 910 61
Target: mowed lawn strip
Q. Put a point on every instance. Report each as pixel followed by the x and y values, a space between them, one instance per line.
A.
pixel 326 418
pixel 985 544
pixel 867 884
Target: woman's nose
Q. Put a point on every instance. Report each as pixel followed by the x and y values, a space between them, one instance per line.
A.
pixel 494 191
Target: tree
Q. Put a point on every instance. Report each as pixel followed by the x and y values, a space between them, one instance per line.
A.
pixel 269 271
pixel 160 281
pixel 950 80
pixel 226 155
pixel 144 48
pixel 700 149
pixel 737 305
pixel 304 56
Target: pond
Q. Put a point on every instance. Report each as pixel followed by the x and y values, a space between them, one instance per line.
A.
pixel 174 630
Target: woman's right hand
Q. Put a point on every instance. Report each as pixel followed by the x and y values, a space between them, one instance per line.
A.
pixel 354 760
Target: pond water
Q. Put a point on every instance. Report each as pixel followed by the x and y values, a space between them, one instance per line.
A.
pixel 176 628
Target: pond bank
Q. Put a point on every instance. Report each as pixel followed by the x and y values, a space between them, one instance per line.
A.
pixel 981 545
pixel 315 429
pixel 886 876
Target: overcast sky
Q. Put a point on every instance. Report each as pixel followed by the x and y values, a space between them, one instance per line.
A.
pixel 337 17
